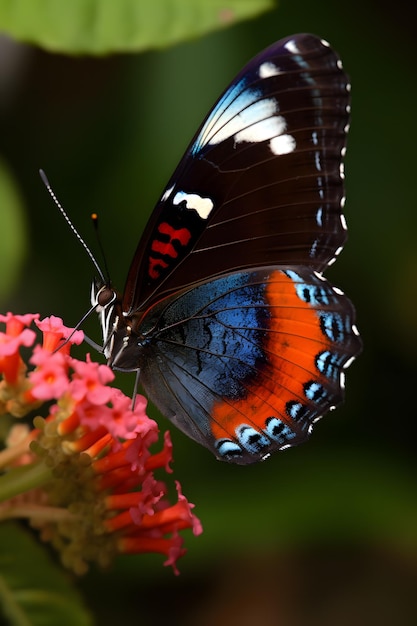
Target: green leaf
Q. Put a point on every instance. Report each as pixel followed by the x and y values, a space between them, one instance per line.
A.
pixel 34 591
pixel 104 26
pixel 12 232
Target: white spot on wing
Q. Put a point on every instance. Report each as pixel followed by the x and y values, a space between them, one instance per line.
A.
pixel 283 144
pixel 203 206
pixel 336 254
pixel 243 120
pixel 167 193
pixel 263 130
pixel 268 69
pixel 232 103
pixel 291 46
pixel 349 362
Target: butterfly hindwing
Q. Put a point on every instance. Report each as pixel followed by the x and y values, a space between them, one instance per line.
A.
pixel 246 363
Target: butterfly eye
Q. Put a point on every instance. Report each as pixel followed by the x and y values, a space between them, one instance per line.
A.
pixel 105 296
pixel 102 297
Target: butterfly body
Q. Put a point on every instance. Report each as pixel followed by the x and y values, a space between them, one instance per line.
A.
pixel 239 339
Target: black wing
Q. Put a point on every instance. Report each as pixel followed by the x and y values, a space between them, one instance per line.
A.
pixel 261 182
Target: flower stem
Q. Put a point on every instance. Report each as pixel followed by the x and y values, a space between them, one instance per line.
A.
pixel 22 479
pixel 36 512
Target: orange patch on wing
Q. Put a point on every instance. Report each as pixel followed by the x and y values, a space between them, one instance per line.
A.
pixel 291 345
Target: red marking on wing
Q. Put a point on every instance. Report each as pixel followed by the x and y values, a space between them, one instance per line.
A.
pixel 182 235
pixel 292 342
pixel 155 267
pixel 166 248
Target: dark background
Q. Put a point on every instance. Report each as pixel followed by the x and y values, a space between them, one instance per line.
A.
pixel 322 534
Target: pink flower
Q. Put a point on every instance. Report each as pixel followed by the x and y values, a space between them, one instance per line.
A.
pixel 90 380
pixel 56 335
pixel 50 379
pixel 16 323
pixel 125 421
pixel 16 335
pixel 93 453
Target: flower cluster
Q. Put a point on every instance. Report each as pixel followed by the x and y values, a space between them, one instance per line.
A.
pixel 84 474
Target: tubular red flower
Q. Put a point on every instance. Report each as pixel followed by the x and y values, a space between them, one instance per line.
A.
pixel 171 547
pixel 92 443
pixel 163 458
pixel 174 517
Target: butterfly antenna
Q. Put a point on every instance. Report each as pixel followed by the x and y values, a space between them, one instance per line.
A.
pixel 135 390
pixel 71 225
pixel 94 218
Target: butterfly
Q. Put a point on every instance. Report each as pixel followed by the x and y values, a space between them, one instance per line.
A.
pixel 238 338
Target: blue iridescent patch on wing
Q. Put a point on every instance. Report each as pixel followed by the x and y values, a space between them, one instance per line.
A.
pixel 234 101
pixel 225 321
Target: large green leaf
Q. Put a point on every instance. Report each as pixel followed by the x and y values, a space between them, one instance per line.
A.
pixel 34 591
pixel 104 26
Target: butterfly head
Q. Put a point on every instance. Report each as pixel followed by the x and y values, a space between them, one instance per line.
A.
pixel 106 302
pixel 121 342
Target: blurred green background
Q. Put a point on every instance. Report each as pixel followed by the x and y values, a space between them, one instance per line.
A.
pixel 322 534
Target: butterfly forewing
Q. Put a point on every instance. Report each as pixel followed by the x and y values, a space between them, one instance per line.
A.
pixel 260 183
